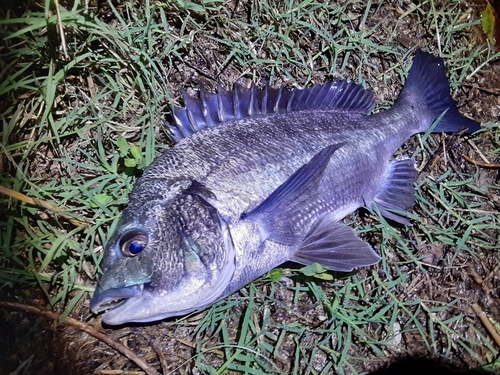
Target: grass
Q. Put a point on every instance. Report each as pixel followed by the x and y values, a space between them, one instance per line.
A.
pixel 78 130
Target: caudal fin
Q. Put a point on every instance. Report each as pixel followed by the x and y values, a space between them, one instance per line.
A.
pixel 427 86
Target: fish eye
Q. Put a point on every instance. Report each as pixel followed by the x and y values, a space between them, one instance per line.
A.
pixel 133 243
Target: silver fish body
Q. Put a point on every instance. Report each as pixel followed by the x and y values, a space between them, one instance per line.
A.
pixel 260 177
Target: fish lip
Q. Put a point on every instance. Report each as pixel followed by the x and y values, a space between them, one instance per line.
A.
pixel 113 298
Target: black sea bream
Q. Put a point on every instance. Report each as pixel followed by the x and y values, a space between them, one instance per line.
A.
pixel 260 177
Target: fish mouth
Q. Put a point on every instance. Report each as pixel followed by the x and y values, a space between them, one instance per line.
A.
pixel 113 298
pixel 138 304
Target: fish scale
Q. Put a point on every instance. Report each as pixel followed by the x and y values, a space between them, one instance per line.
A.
pixel 258 177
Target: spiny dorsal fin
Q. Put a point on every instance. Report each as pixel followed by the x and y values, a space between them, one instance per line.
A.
pixel 212 109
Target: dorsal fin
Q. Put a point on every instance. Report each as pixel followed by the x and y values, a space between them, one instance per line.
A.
pixel 212 109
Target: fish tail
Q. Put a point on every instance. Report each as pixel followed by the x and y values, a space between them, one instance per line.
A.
pixel 427 90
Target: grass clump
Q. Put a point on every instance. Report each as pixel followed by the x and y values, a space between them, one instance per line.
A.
pixel 72 130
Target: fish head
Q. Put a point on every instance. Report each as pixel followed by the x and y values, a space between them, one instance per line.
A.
pixel 171 254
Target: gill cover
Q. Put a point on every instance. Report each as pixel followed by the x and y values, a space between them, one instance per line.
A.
pixel 168 257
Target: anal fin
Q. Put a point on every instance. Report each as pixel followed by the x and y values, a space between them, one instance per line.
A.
pixel 399 192
pixel 335 246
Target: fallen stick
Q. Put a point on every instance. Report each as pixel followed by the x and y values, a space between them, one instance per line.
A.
pixel 492 331
pixel 39 203
pixel 86 328
pixel 480 163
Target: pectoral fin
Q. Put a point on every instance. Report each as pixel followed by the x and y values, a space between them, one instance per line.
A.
pixel 335 246
pixel 282 212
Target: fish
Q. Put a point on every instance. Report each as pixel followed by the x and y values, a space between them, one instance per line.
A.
pixel 258 177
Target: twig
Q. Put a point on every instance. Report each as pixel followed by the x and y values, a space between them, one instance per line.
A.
pixel 40 203
pixel 160 355
pixel 484 89
pixel 484 319
pixel 474 146
pixel 478 279
pixel 480 163
pixel 443 146
pixel 33 201
pixel 86 328
pixel 61 30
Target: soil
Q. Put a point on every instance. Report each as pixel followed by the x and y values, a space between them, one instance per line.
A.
pixel 34 345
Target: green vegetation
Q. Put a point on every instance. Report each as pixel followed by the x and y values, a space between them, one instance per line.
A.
pixel 83 91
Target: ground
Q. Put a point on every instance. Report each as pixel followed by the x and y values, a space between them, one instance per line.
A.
pixel 62 119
